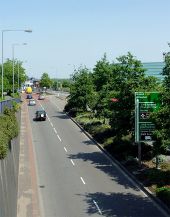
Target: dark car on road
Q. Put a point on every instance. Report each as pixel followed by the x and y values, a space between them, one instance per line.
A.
pixel 40 115
pixel 29 96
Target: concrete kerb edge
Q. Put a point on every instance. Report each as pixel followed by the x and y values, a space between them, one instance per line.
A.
pixel 139 184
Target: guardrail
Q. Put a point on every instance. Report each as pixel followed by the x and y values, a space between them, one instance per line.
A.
pixel 8 103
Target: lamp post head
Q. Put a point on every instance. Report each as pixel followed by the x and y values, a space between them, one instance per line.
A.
pixel 28 30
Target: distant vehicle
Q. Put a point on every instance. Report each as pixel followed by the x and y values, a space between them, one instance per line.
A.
pixel 29 96
pixel 40 115
pixel 28 90
pixel 41 97
pixel 32 102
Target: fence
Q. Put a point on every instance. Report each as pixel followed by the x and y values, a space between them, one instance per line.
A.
pixel 8 103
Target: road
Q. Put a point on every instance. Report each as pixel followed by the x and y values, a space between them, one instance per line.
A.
pixel 75 179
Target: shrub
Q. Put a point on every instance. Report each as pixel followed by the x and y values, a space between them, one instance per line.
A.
pixel 8 130
pixel 158 177
pixel 16 106
pixel 163 193
pixel 3 145
pixel 3 151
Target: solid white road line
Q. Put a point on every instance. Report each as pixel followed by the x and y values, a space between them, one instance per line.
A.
pixel 97 207
pixel 72 162
pixel 65 149
pixel 82 180
pixel 59 138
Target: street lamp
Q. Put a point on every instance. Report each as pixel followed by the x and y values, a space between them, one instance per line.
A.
pixel 13 66
pixel 2 31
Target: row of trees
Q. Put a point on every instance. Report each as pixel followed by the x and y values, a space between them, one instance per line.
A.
pixel 55 84
pixel 8 75
pixel 108 91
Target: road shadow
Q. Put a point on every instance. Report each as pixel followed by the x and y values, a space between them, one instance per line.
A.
pixel 60 115
pixel 100 162
pixel 120 205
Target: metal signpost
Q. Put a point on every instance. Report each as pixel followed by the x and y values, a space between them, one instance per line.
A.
pixel 145 104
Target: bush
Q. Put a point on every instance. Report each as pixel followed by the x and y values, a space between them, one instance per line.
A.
pixel 8 130
pixel 158 177
pixel 16 106
pixel 3 144
pixel 163 193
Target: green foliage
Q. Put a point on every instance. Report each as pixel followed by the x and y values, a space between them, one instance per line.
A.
pixel 16 106
pixel 163 193
pixel 45 81
pixel 3 144
pixel 158 177
pixel 8 75
pixel 81 90
pixel 129 77
pixel 162 117
pixel 8 130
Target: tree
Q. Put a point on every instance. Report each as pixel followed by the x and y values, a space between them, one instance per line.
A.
pixel 102 73
pixel 103 80
pixel 81 90
pixel 128 77
pixel 162 117
pixel 45 81
pixel 8 75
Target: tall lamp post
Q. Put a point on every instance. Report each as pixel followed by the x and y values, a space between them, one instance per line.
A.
pixel 13 66
pixel 2 31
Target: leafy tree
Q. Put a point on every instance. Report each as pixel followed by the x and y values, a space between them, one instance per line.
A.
pixel 82 89
pixel 45 81
pixel 65 83
pixel 162 117
pixel 129 77
pixel 8 75
pixel 102 73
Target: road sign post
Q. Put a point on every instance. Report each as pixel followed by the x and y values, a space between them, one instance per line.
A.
pixel 145 104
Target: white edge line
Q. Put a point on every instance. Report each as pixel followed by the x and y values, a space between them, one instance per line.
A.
pixel 65 149
pixel 82 180
pixel 72 162
pixel 97 207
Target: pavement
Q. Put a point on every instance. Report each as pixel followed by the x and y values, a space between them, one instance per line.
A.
pixel 28 201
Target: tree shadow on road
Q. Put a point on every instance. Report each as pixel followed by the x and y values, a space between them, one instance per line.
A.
pixel 120 205
pixel 102 163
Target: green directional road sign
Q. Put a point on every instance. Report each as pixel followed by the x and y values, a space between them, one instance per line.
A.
pixel 145 104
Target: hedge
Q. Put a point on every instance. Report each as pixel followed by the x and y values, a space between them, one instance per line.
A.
pixel 163 193
pixel 8 130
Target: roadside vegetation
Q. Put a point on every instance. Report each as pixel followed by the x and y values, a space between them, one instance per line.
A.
pixel 8 77
pixel 102 101
pixel 8 129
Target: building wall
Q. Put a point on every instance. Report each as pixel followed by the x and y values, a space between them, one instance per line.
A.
pixel 154 69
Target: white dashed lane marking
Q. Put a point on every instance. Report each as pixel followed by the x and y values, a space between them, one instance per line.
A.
pixel 82 180
pixel 55 130
pixel 72 162
pixel 97 207
pixel 59 138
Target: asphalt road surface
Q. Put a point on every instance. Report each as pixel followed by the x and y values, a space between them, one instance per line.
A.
pixel 75 179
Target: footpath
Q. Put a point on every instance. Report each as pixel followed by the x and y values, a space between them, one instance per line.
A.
pixel 28 202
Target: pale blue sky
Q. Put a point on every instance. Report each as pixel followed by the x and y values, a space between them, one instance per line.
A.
pixel 68 33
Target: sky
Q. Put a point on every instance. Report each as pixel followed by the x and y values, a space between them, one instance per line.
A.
pixel 69 33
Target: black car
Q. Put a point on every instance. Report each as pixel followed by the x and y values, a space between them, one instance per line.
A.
pixel 29 96
pixel 40 115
